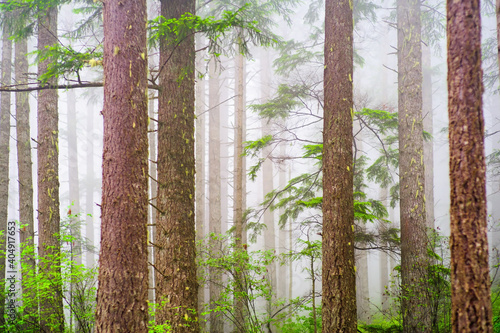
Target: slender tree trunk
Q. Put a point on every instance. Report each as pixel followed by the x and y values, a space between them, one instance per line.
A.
pixel 267 179
pixel 74 186
pixel 25 175
pixel 428 127
pixel 414 261
pixel 361 256
pixel 283 234
pixel 239 190
pixel 339 277
pixel 74 190
pixel 313 292
pixel 470 280
pixel 176 282
pixel 215 276
pixel 224 151
pixel 383 260
pixel 51 308
pixel 123 270
pixel 153 189
pixel 362 284
pixel 89 199
pixel 200 174
pixel 4 157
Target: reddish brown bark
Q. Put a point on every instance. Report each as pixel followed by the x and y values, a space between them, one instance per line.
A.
pixel 51 310
pixel 414 260
pixel 123 273
pixel 339 278
pixel 470 280
pixel 176 282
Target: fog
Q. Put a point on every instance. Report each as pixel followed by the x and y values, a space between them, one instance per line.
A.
pixel 375 88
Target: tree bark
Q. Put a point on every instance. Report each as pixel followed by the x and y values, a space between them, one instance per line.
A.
pixel 470 280
pixel 176 282
pixel 267 179
pixel 5 101
pixel 200 173
pixel 89 199
pixel 283 234
pixel 214 199
pixel 339 277
pixel 153 189
pixel 25 176
pixel 74 186
pixel 239 188
pixel 51 310
pixel 361 256
pixel 428 127
pixel 414 240
pixel 383 259
pixel 123 272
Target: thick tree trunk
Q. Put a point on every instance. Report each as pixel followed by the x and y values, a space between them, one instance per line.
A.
pixel 339 277
pixel 74 186
pixel 123 271
pixel 414 261
pixel 25 176
pixel 89 198
pixel 4 156
pixel 214 199
pixel 470 280
pixel 51 310
pixel 176 283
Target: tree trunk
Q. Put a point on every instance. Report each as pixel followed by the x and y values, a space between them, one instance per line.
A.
pixel 89 199
pixel 25 176
pixel 383 259
pixel 224 151
pixel 428 127
pixel 239 188
pixel 339 277
pixel 214 199
pixel 267 179
pixel 4 157
pixel 123 272
pixel 470 280
pixel 176 282
pixel 153 189
pixel 200 174
pixel 283 234
pixel 414 242
pixel 74 186
pixel 361 256
pixel 51 310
